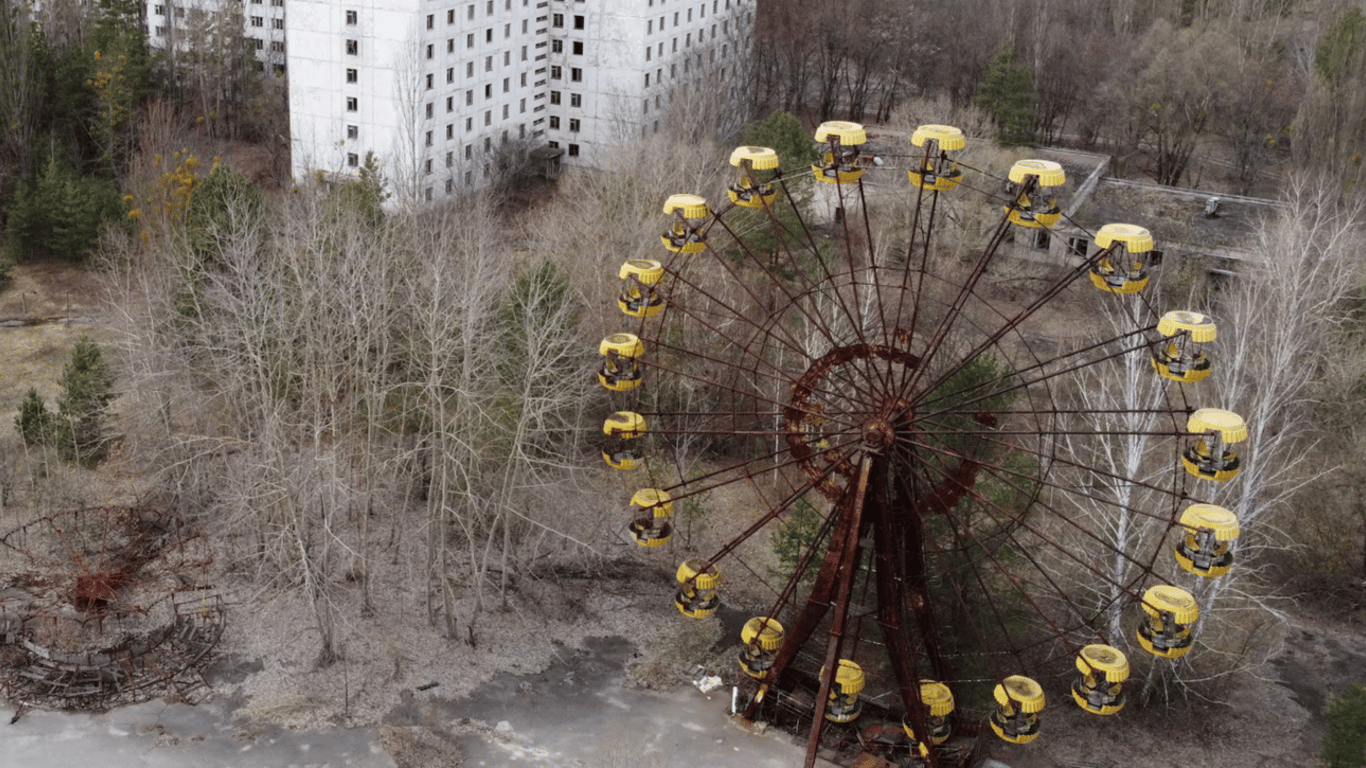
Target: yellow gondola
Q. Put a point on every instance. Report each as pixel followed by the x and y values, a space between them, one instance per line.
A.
pixel 620 371
pixel 1204 550
pixel 1100 689
pixel 1180 359
pixel 748 192
pixel 762 636
pixel 1211 456
pixel 696 597
pixel 1122 264
pixel 688 233
pixel 934 170
pixel 653 529
pixel 623 430
pixel 839 163
pixel 1035 175
pixel 844 704
pixel 638 297
pixel 1015 718
pixel 938 702
pixel 1166 630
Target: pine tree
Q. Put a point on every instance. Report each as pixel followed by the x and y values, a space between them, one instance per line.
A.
pixel 34 422
pixel 87 387
pixel 1007 93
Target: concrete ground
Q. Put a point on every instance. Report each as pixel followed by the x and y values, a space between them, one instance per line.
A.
pixel 159 735
pixel 575 714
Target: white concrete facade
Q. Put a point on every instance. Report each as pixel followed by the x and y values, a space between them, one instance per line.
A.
pixel 175 24
pixel 433 88
pixel 629 56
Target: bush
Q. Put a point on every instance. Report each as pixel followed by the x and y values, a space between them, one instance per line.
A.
pixel 1345 746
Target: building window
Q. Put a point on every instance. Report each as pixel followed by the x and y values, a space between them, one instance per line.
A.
pixel 507 31
pixel 675 19
pixel 352 75
pixel 524 26
pixel 429 111
pixel 557 46
pixel 555 72
pixel 507 84
pixel 469 151
pixel 488 91
pixel 488 117
pixel 450 186
pixel 687 41
pixel 428 139
pixel 488 63
pixel 427 166
pixel 554 97
pixel 557 20
pixel 450 16
pixel 507 58
pixel 488 144
pixel 430 50
pixel 450 74
pixel 578 22
pixel 647 79
pixel 471 13
pixel 1041 239
pixel 647 53
pixel 576 74
pixel 431 21
pixel 575 100
pixel 161 10
pixel 573 150
pixel 351 18
pixel 488 7
pixel 450 103
pixel 523 80
pixel 647 106
pixel 522 106
pixel 524 53
pixel 469 124
pixel 1077 246
pixel 488 35
pixel 352 159
pixel 469 40
pixel 352 104
pixel 554 145
pixel 450 45
pixel 258 21
pixel 427 194
pixel 278 3
pixel 352 47
pixel 256 43
pixel 554 123
pixel 469 98
pixel 505 111
pixel 277 23
pixel 277 46
pixel 353 132
pixel 450 130
pixel 429 81
pixel 578 48
pixel 574 124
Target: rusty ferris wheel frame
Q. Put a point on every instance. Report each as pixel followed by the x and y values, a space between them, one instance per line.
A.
pixel 923 418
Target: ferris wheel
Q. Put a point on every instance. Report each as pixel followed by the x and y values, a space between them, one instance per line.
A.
pixel 962 558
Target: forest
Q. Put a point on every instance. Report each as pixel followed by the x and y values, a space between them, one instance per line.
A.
pixel 384 416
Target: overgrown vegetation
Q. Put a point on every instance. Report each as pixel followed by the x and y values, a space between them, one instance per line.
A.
pixel 1345 746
